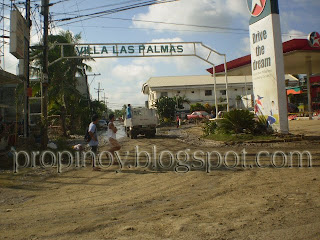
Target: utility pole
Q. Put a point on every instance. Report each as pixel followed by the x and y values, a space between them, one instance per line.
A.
pixel 98 91
pixel 45 78
pixel 105 100
pixel 26 62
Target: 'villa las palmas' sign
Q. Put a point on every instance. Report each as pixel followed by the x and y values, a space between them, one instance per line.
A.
pixel 122 49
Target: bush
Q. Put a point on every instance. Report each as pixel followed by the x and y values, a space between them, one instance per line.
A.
pixel 166 108
pixel 238 121
pixel 197 107
pixel 209 128
pixel 261 126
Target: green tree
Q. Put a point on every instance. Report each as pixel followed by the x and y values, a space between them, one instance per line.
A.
pixel 166 108
pixel 180 101
pixel 119 113
pixel 63 97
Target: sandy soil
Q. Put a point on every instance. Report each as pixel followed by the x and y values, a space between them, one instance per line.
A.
pixel 141 203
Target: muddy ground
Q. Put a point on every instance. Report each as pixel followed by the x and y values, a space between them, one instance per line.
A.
pixel 241 202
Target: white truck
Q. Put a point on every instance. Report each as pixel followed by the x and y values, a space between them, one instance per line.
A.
pixel 143 121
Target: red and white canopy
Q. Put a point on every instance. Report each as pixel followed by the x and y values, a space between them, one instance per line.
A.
pixel 297 55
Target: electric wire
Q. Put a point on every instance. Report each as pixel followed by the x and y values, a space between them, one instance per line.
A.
pixel 99 7
pixel 116 10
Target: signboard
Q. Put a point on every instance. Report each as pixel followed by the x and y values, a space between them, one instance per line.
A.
pixel 130 50
pixel 267 63
pixel 314 39
pixel 18 31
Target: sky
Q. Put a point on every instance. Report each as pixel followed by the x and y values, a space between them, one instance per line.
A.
pixel 122 79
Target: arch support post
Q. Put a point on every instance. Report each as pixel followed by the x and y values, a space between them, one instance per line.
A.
pixel 215 89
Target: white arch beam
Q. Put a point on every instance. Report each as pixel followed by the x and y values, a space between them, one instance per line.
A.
pixel 153 49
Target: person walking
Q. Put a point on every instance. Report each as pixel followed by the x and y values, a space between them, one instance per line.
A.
pixel 94 143
pixel 111 135
pixel 129 111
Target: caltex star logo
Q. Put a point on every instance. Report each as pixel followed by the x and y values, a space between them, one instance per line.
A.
pixel 314 39
pixel 256 7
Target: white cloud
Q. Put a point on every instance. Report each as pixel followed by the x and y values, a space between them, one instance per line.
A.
pixel 132 73
pixel 292 34
pixel 121 82
pixel 192 12
pixel 245 45
pixel 176 39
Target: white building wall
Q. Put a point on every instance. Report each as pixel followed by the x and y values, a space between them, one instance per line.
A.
pixel 197 95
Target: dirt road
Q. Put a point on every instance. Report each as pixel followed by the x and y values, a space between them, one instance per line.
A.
pixel 138 203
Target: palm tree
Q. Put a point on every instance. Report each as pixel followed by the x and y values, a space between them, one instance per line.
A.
pixel 181 100
pixel 63 97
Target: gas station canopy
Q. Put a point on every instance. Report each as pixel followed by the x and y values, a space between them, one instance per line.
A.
pixel 297 53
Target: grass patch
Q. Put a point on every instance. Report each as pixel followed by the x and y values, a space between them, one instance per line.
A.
pixel 239 137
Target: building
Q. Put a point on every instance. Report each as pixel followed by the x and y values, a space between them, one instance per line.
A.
pixel 8 84
pixel 83 87
pixel 200 89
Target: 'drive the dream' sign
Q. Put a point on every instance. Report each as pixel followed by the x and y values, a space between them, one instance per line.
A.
pixel 267 63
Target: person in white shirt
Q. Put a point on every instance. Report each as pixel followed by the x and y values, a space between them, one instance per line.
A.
pixel 111 135
pixel 93 143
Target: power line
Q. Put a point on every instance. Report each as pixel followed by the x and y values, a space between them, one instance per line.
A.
pixel 157 29
pixel 88 9
pixel 180 30
pixel 170 23
pixel 106 12
pixel 178 24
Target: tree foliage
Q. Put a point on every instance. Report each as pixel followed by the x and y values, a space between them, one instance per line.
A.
pixel 202 107
pixel 63 97
pixel 166 108
pixel 180 101
pixel 197 107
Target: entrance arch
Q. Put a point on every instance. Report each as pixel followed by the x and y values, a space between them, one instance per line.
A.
pixel 153 49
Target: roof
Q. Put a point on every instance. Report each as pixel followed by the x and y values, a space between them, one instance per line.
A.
pixel 175 81
pixel 295 52
pixel 200 80
pixel 189 81
pixel 8 78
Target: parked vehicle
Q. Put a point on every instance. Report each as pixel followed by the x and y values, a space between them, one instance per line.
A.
pixel 198 115
pixel 103 124
pixel 143 121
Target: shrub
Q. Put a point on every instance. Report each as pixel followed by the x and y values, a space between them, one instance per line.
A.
pixel 261 126
pixel 166 108
pixel 237 121
pixel 197 107
pixel 209 128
